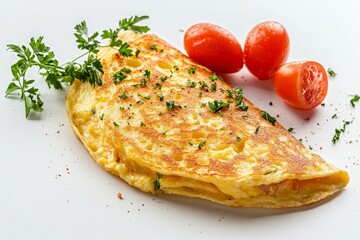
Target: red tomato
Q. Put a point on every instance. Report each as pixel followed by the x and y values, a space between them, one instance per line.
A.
pixel 301 85
pixel 214 47
pixel 266 48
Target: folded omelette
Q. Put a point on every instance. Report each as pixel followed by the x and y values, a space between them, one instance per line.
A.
pixel 166 124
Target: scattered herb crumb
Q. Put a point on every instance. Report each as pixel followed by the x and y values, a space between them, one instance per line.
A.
pixel 354 100
pixel 268 117
pixel 200 146
pixel 331 72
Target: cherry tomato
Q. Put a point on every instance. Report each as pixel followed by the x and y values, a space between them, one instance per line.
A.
pixel 301 85
pixel 266 48
pixel 214 47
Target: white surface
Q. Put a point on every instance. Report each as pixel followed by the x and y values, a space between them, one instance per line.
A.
pixel 51 189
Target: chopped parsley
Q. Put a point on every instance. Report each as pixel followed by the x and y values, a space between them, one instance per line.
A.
pixel 190 143
pixel 215 77
pixel 142 124
pixel 101 117
pixel 147 97
pixel 158 85
pixel 93 111
pixel 331 72
pixel 268 117
pixel 176 68
pixel 203 84
pixel 213 86
pixel 170 105
pixel 143 82
pixel 119 75
pixel 238 139
pixel 147 73
pixel 115 124
pixel 123 95
pixel 190 84
pixel 140 102
pixel 137 52
pixel 257 129
pixel 217 105
pixel 290 129
pixel 334 116
pixel 338 132
pixel 240 100
pixel 192 70
pixel 156 182
pixel 154 47
pixel 200 94
pixel 203 105
pixel 200 146
pixel 161 97
pixel 230 92
pixel 164 78
pixel 354 99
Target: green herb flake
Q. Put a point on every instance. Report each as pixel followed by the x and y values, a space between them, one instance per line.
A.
pixel 156 182
pixel 355 99
pixel 101 117
pixel 257 129
pixel 238 139
pixel 142 124
pixel 201 145
pixel 170 105
pixel 200 94
pixel 331 72
pixel 154 47
pixel 230 93
pixel 192 70
pixel 203 84
pixel 147 73
pixel 268 117
pixel 213 77
pixel 190 84
pixel 203 105
pixel 334 116
pixel 290 129
pixel 213 86
pixel 123 95
pixel 120 75
pixel 164 78
pixel 240 103
pixel 158 85
pixel 143 82
pixel 190 143
pixel 137 52
pixel 217 105
pixel 176 68
pixel 338 132
pixel 115 124
pixel 161 97
pixel 93 111
pixel 140 102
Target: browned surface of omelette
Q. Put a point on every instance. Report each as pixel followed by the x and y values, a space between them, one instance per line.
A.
pixel 232 156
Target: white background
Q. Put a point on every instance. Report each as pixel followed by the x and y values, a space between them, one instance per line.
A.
pixel 50 188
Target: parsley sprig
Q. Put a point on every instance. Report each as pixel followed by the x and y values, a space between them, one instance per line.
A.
pixel 38 55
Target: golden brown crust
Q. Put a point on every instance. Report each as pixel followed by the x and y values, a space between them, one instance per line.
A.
pixel 189 150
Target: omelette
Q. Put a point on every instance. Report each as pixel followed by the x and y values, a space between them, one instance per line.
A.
pixel 165 124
